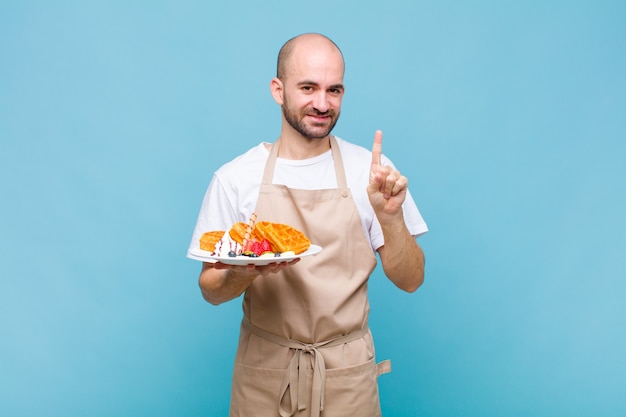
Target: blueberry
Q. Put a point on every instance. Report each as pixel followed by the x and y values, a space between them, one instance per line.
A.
pixel 232 254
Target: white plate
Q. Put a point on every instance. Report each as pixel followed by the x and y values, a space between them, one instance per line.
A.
pixel 205 256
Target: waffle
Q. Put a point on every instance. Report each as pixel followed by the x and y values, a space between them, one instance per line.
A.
pixel 209 239
pixel 238 232
pixel 282 237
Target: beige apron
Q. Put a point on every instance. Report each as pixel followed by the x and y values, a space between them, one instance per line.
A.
pixel 305 348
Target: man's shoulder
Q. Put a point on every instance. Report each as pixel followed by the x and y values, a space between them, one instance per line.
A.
pixel 357 155
pixel 243 173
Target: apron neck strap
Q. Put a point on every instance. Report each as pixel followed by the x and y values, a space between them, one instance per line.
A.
pixel 340 172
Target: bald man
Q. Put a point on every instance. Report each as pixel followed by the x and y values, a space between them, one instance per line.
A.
pixel 305 348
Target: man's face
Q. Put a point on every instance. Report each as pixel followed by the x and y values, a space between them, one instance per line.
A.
pixel 313 90
pixel 308 120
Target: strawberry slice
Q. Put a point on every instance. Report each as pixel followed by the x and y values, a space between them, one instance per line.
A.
pixel 266 246
pixel 257 248
pixel 248 249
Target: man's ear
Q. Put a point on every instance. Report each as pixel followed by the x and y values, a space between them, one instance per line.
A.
pixel 277 89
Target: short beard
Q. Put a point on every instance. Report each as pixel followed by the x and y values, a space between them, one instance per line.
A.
pixel 296 121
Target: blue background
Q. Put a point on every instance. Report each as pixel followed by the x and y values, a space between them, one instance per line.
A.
pixel 508 118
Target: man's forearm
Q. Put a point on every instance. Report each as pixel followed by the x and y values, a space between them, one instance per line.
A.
pixel 401 256
pixel 221 285
pixel 220 282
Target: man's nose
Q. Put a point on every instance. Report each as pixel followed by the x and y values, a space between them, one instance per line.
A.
pixel 320 102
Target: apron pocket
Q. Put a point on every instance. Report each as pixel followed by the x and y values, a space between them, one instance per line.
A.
pixel 352 391
pixel 255 391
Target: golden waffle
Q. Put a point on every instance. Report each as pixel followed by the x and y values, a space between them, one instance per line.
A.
pixel 209 239
pixel 282 237
pixel 238 232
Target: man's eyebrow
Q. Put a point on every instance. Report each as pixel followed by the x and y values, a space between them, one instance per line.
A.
pixel 334 86
pixel 305 82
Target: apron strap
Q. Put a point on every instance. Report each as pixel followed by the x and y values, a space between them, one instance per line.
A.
pixel 340 172
pixel 268 173
pixel 295 377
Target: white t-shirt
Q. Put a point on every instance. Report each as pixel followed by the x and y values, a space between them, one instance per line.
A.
pixel 234 189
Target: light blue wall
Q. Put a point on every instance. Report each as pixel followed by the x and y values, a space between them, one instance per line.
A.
pixel 507 117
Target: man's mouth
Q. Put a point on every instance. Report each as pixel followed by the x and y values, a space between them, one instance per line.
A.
pixel 319 117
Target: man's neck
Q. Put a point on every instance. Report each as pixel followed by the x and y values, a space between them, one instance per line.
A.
pixel 299 147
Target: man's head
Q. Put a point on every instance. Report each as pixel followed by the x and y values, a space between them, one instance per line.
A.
pixel 309 85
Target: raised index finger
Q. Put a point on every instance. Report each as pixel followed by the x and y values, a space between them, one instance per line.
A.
pixel 377 148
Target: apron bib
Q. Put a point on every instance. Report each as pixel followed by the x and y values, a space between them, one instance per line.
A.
pixel 305 348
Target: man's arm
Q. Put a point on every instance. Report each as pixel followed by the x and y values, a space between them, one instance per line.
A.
pixel 221 285
pixel 402 258
pixel 220 282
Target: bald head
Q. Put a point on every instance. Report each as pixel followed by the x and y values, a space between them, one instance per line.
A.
pixel 307 42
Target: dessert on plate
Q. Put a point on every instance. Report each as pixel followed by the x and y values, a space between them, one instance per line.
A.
pixel 262 239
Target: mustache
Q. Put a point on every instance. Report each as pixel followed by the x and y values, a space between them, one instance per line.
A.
pixel 315 112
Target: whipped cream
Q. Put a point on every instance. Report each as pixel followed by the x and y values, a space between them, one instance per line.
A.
pixel 226 245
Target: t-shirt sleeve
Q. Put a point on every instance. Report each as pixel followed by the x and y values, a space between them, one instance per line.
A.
pixel 412 217
pixel 216 212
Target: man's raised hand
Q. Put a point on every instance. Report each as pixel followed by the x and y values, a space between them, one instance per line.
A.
pixel 387 188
